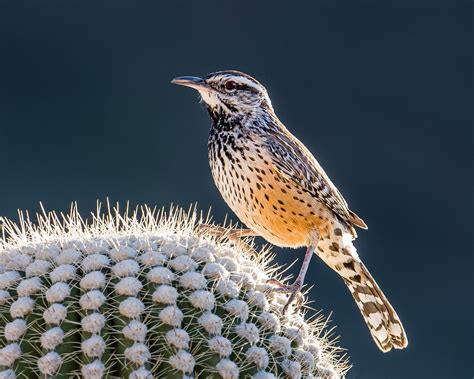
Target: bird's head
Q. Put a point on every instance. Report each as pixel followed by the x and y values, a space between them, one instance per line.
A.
pixel 228 92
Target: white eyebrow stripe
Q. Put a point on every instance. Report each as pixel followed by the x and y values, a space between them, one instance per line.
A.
pixel 247 82
pixel 242 80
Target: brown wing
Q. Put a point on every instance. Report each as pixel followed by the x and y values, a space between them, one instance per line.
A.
pixel 299 166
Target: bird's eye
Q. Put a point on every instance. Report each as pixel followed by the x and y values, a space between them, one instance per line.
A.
pixel 230 85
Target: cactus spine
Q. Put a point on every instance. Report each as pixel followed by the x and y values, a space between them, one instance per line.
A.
pixel 144 296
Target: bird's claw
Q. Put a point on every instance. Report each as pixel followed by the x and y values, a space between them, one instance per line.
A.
pixel 230 234
pixel 293 289
pixel 210 229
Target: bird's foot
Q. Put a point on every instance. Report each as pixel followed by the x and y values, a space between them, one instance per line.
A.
pixel 212 230
pixel 230 234
pixel 294 290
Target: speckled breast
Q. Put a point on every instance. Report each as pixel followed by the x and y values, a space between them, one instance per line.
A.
pixel 264 200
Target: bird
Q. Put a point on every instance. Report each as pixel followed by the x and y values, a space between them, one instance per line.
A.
pixel 280 192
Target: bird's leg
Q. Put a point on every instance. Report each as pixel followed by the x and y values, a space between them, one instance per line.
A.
pixel 220 231
pixel 240 233
pixel 295 288
pixel 232 235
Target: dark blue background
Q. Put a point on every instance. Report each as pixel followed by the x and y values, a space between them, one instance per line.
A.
pixel 380 91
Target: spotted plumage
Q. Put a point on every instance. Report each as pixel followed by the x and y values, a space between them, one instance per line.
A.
pixel 280 192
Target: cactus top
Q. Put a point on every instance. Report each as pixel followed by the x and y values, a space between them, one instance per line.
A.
pixel 143 297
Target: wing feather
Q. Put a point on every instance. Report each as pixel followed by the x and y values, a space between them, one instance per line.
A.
pixel 300 167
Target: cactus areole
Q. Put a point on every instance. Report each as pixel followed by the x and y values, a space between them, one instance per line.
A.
pixel 144 296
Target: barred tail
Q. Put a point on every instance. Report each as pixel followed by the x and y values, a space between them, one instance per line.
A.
pixel 381 319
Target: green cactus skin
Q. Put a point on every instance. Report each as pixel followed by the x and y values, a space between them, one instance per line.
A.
pixel 143 296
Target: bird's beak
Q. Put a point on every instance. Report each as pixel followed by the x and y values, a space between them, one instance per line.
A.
pixel 192 81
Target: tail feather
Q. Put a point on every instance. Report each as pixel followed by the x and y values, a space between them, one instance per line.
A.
pixel 339 253
pixel 382 320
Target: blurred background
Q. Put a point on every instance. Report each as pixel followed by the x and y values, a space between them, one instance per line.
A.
pixel 380 91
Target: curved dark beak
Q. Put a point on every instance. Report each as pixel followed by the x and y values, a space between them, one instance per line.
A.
pixel 191 81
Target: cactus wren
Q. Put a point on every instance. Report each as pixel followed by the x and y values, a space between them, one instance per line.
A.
pixel 278 190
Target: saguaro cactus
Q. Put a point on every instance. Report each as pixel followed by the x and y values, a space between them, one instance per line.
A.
pixel 144 296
